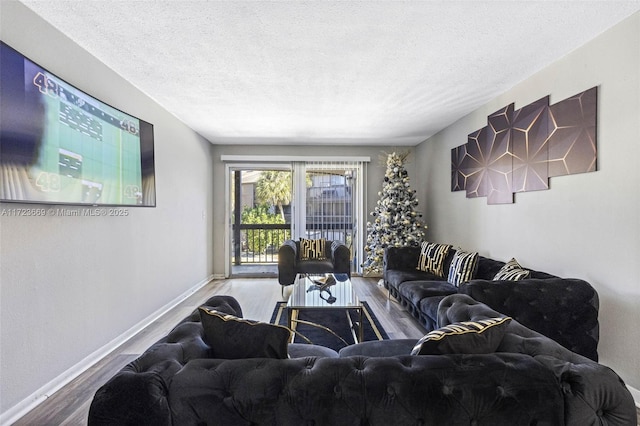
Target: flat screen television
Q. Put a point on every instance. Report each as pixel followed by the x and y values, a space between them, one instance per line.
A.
pixel 59 145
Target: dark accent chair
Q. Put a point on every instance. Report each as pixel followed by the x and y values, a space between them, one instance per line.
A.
pixel 337 260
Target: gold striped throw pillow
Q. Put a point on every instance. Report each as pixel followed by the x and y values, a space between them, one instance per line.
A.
pixel 467 337
pixel 432 257
pixel 512 271
pixel 312 249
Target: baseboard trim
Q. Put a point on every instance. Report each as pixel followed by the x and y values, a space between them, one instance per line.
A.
pixel 636 395
pixel 29 403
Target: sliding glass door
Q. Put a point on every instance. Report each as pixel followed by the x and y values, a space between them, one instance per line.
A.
pixel 269 203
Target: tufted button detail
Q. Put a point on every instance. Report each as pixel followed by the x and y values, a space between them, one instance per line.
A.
pixel 566 388
pixel 337 390
pixel 473 422
pixel 391 391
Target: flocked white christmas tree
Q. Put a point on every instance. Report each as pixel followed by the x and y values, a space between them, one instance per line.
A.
pixel 395 221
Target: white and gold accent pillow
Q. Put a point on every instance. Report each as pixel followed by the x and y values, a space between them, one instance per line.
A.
pixel 432 257
pixel 312 249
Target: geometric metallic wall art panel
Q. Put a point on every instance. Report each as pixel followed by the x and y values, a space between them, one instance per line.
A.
pixel 474 165
pixel 529 142
pixel 499 171
pixel 519 150
pixel 457 176
pixel 572 138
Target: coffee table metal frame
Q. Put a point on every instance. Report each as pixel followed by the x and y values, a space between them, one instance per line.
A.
pixel 307 295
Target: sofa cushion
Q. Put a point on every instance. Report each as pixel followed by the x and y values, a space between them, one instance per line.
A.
pixel 303 350
pixel 231 337
pixel 415 291
pixel 428 309
pixel 379 348
pixel 312 249
pixel 467 337
pixel 315 266
pixel 512 271
pixel 397 276
pixel 432 257
pixel 463 267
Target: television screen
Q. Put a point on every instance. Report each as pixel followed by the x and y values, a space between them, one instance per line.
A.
pixel 59 145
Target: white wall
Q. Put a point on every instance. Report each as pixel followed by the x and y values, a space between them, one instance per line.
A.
pixel 71 285
pixel 586 226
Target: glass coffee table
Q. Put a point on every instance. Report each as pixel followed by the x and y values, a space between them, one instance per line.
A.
pixel 323 292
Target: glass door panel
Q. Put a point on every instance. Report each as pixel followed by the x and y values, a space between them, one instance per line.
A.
pixel 260 219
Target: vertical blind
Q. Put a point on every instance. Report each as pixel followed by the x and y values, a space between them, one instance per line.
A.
pixel 332 207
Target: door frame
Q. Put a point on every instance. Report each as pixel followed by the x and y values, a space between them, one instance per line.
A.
pixel 251 162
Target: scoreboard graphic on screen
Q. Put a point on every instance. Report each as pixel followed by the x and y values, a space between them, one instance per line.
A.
pixel 94 149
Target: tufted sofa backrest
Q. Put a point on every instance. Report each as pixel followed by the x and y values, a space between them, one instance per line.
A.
pixel 500 389
pixel 564 309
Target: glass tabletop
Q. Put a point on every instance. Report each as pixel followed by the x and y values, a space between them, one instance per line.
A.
pixel 323 291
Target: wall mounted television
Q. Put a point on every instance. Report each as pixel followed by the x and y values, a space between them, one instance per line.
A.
pixel 59 145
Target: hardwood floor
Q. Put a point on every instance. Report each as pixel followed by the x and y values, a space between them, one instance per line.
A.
pixel 257 297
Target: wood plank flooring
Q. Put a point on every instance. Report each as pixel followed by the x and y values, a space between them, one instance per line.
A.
pixel 257 297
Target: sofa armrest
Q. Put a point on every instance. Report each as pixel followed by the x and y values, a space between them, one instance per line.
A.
pixel 138 394
pixel 130 399
pixel 341 258
pixel 287 259
pixel 563 309
pixel 593 393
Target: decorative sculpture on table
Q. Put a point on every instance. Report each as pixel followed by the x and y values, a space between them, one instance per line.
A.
pixel 324 286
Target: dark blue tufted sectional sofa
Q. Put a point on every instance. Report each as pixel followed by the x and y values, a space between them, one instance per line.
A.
pixel 528 380
pixel 564 309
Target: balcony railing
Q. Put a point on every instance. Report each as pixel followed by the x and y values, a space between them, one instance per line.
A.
pixel 259 243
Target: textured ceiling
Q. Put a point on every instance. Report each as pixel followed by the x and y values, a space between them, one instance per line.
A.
pixel 327 72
